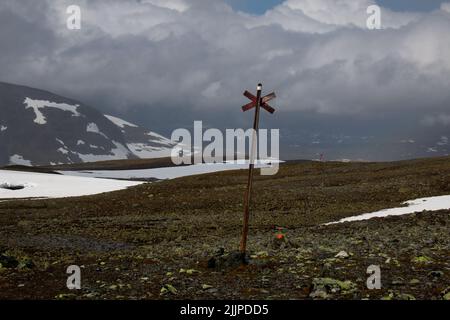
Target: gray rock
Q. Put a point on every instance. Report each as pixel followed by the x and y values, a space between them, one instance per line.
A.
pixel 231 260
pixel 342 255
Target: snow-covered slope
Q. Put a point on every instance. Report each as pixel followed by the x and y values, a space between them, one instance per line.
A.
pixel 40 128
pixel 41 185
pixel 16 184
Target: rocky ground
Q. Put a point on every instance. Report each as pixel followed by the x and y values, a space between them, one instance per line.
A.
pixel 156 241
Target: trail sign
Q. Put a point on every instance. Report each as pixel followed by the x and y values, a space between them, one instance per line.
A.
pixel 257 102
pixel 263 102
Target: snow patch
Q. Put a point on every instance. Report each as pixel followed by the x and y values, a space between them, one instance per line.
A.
pixel 161 139
pixel 120 122
pixel 413 206
pixel 118 153
pixel 92 127
pixel 443 141
pixel 63 151
pixel 18 159
pixel 36 105
pixel 144 151
pixel 166 173
pixel 41 185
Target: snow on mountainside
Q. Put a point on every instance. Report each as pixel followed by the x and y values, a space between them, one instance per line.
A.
pixel 120 122
pixel 40 128
pixel 141 142
pixel 36 105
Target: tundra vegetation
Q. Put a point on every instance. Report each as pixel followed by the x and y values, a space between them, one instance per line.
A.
pixel 158 240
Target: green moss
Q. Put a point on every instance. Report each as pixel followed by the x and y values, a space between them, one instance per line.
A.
pixel 334 285
pixel 422 260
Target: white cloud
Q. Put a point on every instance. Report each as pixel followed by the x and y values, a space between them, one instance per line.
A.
pixel 340 13
pixel 212 90
pixel 319 16
pixel 445 6
pixel 178 5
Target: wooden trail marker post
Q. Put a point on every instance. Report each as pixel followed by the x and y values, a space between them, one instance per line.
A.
pixel 257 103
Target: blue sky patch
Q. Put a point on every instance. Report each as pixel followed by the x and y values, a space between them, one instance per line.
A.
pixel 261 6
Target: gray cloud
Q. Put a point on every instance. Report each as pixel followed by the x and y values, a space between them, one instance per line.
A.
pixel 198 55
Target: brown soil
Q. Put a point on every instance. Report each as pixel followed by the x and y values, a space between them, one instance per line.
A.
pixel 154 241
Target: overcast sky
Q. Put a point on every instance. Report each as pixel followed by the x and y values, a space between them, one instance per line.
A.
pixel 165 63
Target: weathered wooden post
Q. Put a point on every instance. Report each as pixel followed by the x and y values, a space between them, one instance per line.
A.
pixel 257 103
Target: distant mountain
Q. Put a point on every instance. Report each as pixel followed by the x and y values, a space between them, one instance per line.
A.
pixel 41 128
pixel 432 143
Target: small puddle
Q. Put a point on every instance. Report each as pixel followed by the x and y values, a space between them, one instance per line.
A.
pixel 10 186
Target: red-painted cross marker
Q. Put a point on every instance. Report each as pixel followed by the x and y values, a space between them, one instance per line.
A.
pixel 263 102
pixel 256 103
